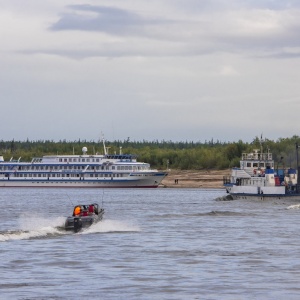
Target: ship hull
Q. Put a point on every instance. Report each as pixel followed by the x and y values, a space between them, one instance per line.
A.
pixel 149 181
pixel 292 197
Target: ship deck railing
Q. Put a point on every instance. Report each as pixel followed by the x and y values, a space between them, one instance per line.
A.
pixel 257 156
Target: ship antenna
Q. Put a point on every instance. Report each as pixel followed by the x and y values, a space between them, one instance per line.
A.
pixel 261 147
pixel 103 141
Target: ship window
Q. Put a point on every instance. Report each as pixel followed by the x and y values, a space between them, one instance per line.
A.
pixel 97 159
pixel 249 165
pixel 255 165
pixel 261 164
pixel 83 160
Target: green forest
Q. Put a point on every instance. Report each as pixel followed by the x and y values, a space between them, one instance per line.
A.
pixel 162 154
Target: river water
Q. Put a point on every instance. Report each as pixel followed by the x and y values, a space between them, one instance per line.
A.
pixel 152 244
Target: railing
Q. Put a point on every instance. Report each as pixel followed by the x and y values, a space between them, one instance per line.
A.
pixel 257 156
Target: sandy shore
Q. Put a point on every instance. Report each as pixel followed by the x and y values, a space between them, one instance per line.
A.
pixel 195 179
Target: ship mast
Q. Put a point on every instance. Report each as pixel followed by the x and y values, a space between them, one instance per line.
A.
pixel 104 147
pixel 261 148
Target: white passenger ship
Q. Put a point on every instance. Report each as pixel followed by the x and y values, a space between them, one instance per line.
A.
pixel 80 171
pixel 257 179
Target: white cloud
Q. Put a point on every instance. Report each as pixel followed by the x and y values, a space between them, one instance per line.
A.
pixel 228 71
pixel 161 69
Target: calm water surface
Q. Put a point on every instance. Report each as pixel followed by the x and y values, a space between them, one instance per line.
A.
pixel 152 244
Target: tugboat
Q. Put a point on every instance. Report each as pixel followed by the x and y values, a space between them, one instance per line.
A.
pixel 257 179
pixel 84 215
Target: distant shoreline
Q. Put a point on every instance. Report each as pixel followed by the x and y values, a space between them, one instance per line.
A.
pixel 195 179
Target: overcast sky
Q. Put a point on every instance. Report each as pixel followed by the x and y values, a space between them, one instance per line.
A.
pixel 169 69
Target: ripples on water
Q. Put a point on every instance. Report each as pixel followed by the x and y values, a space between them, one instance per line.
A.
pixel 152 244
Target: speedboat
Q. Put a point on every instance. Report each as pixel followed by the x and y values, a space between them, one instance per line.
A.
pixel 84 215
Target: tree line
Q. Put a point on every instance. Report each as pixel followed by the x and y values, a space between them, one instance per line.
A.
pixel 162 154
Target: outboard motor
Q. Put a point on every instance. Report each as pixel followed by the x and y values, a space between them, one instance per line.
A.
pixel 96 208
pixel 77 224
